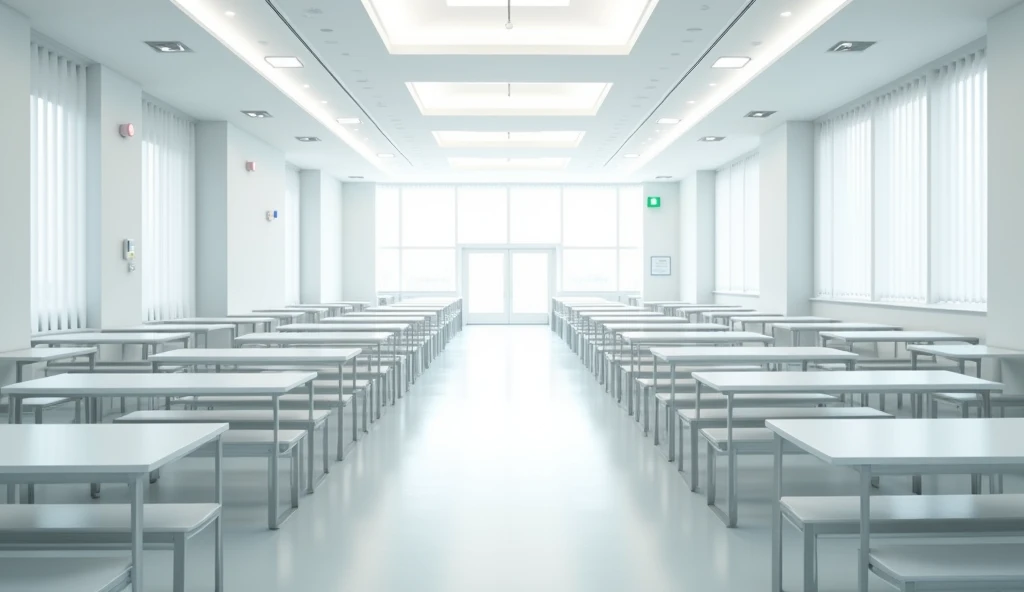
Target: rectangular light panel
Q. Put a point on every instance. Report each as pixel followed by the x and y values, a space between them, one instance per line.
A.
pixel 540 139
pixel 508 164
pixel 509 99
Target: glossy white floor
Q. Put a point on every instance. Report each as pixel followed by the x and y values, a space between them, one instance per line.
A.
pixel 506 469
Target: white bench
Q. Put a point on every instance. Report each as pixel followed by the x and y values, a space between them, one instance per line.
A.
pixel 64 574
pixel 922 568
pixel 964 402
pixel 84 526
pixel 817 516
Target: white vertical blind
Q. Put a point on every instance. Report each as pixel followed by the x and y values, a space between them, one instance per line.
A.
pixel 960 181
pixel 737 235
pixel 901 194
pixel 168 214
pixel 292 233
pixel 58 213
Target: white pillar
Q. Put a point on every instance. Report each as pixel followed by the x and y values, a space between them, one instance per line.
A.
pixel 321 237
pixel 697 237
pixel 661 239
pixel 359 242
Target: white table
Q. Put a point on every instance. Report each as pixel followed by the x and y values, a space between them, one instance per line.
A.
pixel 266 322
pixel 713 316
pixel 110 454
pixel 797 329
pixel 149 340
pixel 98 386
pixel 281 316
pixel 961 354
pixel 37 355
pixel 195 329
pixel 332 309
pixel 264 356
pixel 852 337
pixel 699 310
pixel 894 447
pixel 313 312
pixel 765 320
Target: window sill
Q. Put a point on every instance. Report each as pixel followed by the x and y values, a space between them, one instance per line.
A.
pixel 950 308
pixel 742 294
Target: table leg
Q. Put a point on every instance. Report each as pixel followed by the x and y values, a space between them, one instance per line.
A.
pixel 341 411
pixel 274 455
pixel 218 533
pixel 777 518
pixel 865 527
pixel 670 411
pixel 733 499
pixel 355 402
pixel 135 490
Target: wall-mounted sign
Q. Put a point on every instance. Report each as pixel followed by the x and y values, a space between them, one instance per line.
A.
pixel 653 201
pixel 661 265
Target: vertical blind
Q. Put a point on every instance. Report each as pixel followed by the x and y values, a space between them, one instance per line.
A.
pixel 58 213
pixel 168 214
pixel 901 192
pixel 737 212
pixel 292 263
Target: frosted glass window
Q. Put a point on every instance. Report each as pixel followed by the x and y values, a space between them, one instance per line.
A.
pixel 535 215
pixel 590 216
pixel 631 216
pixel 387 216
pixel 428 270
pixel 388 270
pixel 589 270
pixel 428 216
pixel 631 270
pixel 483 215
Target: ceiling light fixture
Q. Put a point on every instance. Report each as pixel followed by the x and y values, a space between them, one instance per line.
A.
pixel 631 155
pixel 668 120
pixel 732 63
pixel 349 121
pixel 712 139
pixel 508 22
pixel 759 114
pixel 850 46
pixel 257 114
pixel 283 61
pixel 229 13
pixel 786 14
pixel 307 138
pixel 169 46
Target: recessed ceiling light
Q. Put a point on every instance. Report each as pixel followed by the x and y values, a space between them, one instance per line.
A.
pixel 731 62
pixel 690 102
pixel 323 102
pixel 786 14
pixel 284 61
pixel 307 138
pixel 850 46
pixel 229 13
pixel 631 155
pixel 668 120
pixel 663 177
pixel 385 155
pixel 760 114
pixel 169 46
pixel 257 114
pixel 712 138
pixel 348 120
pixel 713 84
pixel 305 86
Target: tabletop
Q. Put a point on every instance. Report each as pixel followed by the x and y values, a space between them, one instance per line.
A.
pixel 276 314
pixel 317 307
pixel 852 381
pixel 753 354
pixel 894 336
pixel 707 306
pixel 833 326
pixel 45 354
pixel 967 352
pixel 99 448
pixel 292 311
pixel 729 313
pixel 643 318
pixel 619 327
pixel 148 337
pixel 702 309
pixel 696 337
pixel 160 385
pixel 321 327
pixel 171 328
pixel 354 337
pixel 230 320
pixel 960 441
pixel 784 319
pixel 355 319
pixel 257 355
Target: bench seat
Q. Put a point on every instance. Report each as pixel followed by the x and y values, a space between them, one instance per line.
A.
pixel 992 566
pixel 966 401
pixel 64 574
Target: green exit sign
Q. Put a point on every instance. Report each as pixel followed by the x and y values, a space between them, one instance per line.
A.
pixel 653 201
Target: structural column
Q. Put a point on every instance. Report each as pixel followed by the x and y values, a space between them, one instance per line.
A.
pixel 697 237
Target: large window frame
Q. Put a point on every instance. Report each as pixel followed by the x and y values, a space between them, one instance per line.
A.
pixel 737 226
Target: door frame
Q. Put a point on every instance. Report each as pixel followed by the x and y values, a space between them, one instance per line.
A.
pixel 507 317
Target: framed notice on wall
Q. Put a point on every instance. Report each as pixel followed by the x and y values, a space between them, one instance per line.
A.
pixel 661 265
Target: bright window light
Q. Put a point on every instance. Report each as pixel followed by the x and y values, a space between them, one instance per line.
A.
pixel 731 62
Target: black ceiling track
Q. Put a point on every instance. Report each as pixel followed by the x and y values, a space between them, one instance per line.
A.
pixel 341 85
pixel 685 75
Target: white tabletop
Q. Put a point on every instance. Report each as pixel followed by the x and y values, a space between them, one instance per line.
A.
pixel 99 448
pixel 702 309
pixel 171 328
pixel 231 320
pixel 275 314
pixel 45 354
pixel 752 354
pixel 707 306
pixel 334 338
pixel 907 441
pixel 893 336
pixel 736 312
pixel 357 319
pixel 258 355
pixel 619 327
pixel 784 319
pixel 855 381
pixel 146 338
pixel 387 315
pixel 618 313
pixel 160 385
pixel 834 326
pixel 696 337
pixel 966 352
pixel 327 327
pixel 314 307
pixel 291 311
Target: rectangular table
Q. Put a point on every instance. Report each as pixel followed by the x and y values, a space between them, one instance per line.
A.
pixel 111 454
pixel 852 337
pixel 961 354
pixel 195 329
pixel 894 447
pixel 37 355
pixel 266 322
pixel 314 312
pixel 148 340
pixel 728 314
pixel 797 329
pixel 264 356
pixel 97 386
pixel 766 320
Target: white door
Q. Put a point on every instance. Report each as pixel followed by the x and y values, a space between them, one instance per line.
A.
pixel 507 286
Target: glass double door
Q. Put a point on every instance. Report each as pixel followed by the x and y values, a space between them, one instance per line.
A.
pixel 507 286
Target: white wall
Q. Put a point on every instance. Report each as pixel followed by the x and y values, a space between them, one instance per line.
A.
pixel 15 311
pixel 1005 180
pixel 211 218
pixel 309 235
pixel 697 237
pixel 321 243
pixel 359 243
pixel 114 179
pixel 661 238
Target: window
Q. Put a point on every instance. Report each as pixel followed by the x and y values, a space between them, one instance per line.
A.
pixel 737 211
pixel 168 214
pixel 292 230
pixel 58 212
pixel 589 216
pixel 535 214
pixel 483 215
pixel 901 195
pixel 428 216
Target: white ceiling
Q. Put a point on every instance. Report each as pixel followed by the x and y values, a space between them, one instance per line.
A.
pixel 350 73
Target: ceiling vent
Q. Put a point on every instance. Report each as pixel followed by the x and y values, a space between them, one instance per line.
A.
pixel 257 114
pixel 850 46
pixel 759 114
pixel 169 46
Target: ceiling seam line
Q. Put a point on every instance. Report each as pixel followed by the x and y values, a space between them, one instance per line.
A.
pixel 337 81
pixel 686 74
